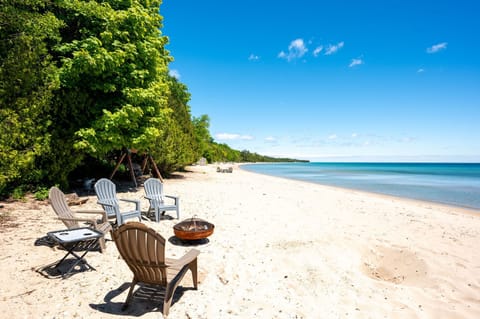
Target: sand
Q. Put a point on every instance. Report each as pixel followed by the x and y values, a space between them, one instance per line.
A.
pixel 280 249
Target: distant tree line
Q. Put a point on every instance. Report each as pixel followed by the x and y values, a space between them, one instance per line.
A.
pixel 81 81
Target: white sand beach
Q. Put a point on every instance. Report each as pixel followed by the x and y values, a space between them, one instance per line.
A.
pixel 280 249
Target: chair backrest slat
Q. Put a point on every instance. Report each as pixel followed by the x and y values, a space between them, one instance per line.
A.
pixel 144 252
pixel 60 206
pixel 107 191
pixel 153 187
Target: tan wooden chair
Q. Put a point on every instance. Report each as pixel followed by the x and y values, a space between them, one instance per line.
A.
pixel 143 249
pixel 72 219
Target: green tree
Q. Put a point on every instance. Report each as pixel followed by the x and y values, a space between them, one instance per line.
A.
pixel 113 71
pixel 28 79
pixel 86 77
pixel 183 149
pixel 202 135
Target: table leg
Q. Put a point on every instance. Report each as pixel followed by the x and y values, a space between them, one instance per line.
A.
pixel 79 259
pixel 69 251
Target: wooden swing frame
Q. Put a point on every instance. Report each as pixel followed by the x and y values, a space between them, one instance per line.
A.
pixel 147 158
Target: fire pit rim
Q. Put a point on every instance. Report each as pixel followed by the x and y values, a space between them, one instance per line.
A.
pixel 184 234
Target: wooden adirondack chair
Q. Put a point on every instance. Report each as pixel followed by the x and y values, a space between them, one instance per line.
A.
pixel 143 249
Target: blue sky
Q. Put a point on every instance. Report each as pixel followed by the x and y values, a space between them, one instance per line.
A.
pixel 333 80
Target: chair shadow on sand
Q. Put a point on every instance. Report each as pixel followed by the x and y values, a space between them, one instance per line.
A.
pixel 146 298
pixel 150 216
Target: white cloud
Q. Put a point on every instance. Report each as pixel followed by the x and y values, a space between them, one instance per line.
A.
pixel 421 70
pixel 355 62
pixel 230 136
pixel 317 50
pixel 407 139
pixel 253 57
pixel 354 135
pixel 333 48
pixel 437 47
pixel 174 73
pixel 296 50
pixel 270 139
pixel 332 136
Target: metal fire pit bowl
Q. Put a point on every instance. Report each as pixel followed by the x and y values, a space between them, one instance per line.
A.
pixel 193 229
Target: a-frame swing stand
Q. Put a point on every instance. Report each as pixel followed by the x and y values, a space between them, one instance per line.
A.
pixel 147 159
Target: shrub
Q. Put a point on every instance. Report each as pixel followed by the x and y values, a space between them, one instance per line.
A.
pixel 18 193
pixel 41 193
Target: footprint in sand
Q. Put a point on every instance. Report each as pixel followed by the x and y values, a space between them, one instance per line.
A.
pixel 396 265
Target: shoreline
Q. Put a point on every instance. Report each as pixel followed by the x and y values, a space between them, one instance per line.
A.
pixel 464 209
pixel 314 249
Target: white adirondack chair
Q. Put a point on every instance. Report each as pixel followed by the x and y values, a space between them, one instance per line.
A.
pixel 107 197
pixel 158 200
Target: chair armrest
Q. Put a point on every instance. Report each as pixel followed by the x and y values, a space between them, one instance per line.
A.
pixel 175 198
pixel 130 200
pixel 96 212
pixel 171 196
pixel 88 220
pixel 185 259
pixel 81 211
pixel 136 201
pixel 106 203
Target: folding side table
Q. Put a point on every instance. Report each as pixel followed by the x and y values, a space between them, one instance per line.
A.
pixel 70 239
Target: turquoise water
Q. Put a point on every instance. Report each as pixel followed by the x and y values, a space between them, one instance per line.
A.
pixel 455 184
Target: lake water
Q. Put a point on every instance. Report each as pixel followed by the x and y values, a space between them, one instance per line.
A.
pixel 455 184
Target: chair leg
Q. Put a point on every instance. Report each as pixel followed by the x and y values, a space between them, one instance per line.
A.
pixel 193 268
pixel 102 244
pixel 169 290
pixel 130 294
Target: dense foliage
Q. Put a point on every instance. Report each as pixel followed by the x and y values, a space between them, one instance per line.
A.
pixel 81 81
pixel 28 80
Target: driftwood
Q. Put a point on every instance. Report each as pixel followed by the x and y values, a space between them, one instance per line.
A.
pixel 225 170
pixel 73 199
